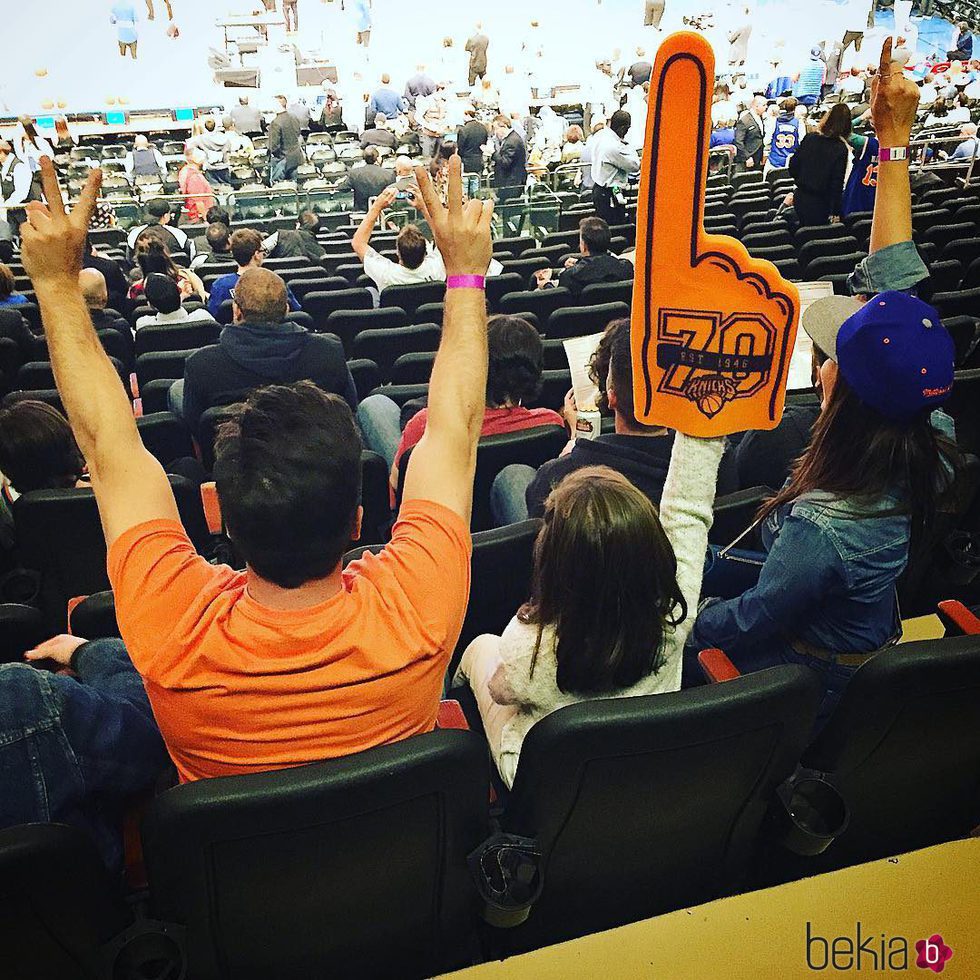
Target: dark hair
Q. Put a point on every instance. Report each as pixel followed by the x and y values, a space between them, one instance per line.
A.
pixel 516 360
pixel 837 122
pixel 161 293
pixel 218 236
pixel 856 454
pixel 308 221
pixel 8 281
pixel 30 132
pixel 594 232
pixel 939 108
pixel 153 256
pixel 789 104
pixel 156 209
pixel 218 215
pixel 502 120
pixel 245 242
pixel 609 627
pixel 411 246
pixel 599 362
pixel 37 448
pixel 370 155
pixel 621 376
pixel 620 122
pixel 288 474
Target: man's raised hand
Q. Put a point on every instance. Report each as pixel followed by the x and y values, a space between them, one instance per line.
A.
pixel 53 242
pixel 712 329
pixel 894 100
pixel 462 234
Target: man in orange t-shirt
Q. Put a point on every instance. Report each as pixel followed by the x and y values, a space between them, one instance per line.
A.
pixel 294 659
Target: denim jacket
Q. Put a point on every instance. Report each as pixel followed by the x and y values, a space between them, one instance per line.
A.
pixel 828 579
pixel 74 750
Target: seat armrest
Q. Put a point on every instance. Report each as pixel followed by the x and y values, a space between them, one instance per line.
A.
pixel 72 603
pixel 716 666
pixel 451 715
pixel 212 507
pixel 958 620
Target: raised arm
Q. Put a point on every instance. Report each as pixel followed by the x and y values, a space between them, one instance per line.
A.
pixel 362 237
pixel 894 101
pixel 130 485
pixel 443 464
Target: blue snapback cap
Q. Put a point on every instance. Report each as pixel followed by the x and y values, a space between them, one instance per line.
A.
pixel 893 350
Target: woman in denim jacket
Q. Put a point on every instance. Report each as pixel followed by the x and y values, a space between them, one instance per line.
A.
pixel 837 536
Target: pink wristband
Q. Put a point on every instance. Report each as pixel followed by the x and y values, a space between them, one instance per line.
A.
pixel 466 282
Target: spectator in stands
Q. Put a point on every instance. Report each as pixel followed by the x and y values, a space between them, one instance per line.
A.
pixel 854 83
pixel 350 658
pixel 840 533
pixel 641 70
pixel 516 360
pixel 153 256
pixel 613 163
pixel 15 188
pixel 584 635
pixel 809 82
pixel 959 111
pixel 405 182
pixel 299 110
pixel 968 148
pixel 93 286
pixel 419 86
pixel 470 140
pixel 8 288
pixel 218 239
pixel 439 170
pixel 416 261
pixel 115 279
pixel 158 223
pixel 509 160
pixel 248 251
pixel 962 49
pixel 30 146
pixel 202 246
pixel 239 144
pixel 123 15
pixel 938 112
pixel 78 746
pixel 597 263
pixel 386 100
pixel 432 118
pixel 750 136
pixel 162 293
pixel 301 241
pixel 639 452
pixel 370 180
pixel 198 196
pixel 38 450
pixel 788 132
pixel 144 160
pixel 247 119
pixel 476 48
pixel 587 154
pixel 379 134
pixel 818 168
pixel 214 144
pixel 260 348
pixel 285 148
pixel 571 152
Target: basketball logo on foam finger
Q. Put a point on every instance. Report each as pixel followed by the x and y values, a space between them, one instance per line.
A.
pixel 712 328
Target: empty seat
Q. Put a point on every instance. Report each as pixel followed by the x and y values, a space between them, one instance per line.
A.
pixel 176 336
pixel 944 276
pixel 517 245
pixel 541 302
pixel 963 250
pixel 942 234
pixel 649 804
pixel 347 324
pixel 819 248
pixel 580 321
pixel 411 297
pixel 161 364
pixel 963 302
pixel 366 375
pixel 812 233
pixel 321 304
pixel 384 347
pixel 301 861
pixel 834 264
pixel 430 313
pixel 411 369
pixel 300 287
pixel 498 287
pixel 607 292
pixel 21 628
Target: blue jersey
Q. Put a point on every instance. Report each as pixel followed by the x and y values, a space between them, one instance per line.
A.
pixel 859 192
pixel 785 140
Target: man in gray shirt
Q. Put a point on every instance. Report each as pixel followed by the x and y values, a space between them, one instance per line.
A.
pixel 285 147
pixel 247 119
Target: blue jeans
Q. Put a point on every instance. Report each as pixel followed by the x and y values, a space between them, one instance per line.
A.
pixel 380 421
pixel 508 503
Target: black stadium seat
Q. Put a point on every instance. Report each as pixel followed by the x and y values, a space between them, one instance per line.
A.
pixel 347 324
pixel 384 347
pixel 692 775
pixel 580 321
pixel 411 297
pixel 607 292
pixel 541 302
pixel 165 437
pixel 321 304
pixel 21 629
pixel 366 375
pixel 411 369
pixel 303 862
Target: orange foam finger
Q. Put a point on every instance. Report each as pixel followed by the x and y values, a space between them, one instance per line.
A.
pixel 712 328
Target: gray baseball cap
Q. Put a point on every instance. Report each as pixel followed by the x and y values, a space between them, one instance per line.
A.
pixel 824 318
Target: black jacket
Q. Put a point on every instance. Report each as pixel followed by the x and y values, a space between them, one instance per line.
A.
pixel 378 137
pixel 763 458
pixel 369 181
pixel 284 139
pixel 595 268
pixel 643 460
pixel 510 162
pixel 248 356
pixel 749 139
pixel 298 243
pixel 469 142
pixel 818 167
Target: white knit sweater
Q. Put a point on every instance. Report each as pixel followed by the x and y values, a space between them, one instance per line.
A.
pixel 686 514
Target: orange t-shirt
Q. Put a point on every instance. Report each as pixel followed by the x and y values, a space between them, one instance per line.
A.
pixel 237 687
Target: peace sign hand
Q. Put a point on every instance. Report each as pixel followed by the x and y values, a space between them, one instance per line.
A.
pixel 712 329
pixel 53 242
